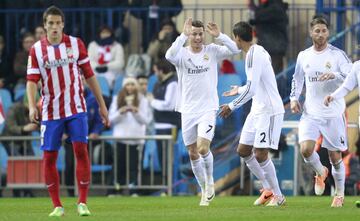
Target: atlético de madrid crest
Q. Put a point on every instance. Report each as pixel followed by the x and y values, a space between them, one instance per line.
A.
pixel 69 52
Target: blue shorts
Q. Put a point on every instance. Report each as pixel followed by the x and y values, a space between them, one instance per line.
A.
pixel 51 131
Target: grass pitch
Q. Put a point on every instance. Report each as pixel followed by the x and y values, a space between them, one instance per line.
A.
pixel 237 208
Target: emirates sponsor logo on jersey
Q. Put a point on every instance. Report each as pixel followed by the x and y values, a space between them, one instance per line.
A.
pixel 58 62
pixel 198 70
pixel 316 77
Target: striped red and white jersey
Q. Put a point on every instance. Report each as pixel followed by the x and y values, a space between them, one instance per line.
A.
pixel 59 67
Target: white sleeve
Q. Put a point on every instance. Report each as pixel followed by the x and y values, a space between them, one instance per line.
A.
pixel 142 116
pixel 230 48
pixel 172 54
pixel 297 83
pixel 254 71
pixel 349 84
pixel 169 102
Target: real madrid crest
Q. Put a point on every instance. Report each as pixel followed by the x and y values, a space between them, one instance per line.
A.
pixel 328 65
pixel 206 57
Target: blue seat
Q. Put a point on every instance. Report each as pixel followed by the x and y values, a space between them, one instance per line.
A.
pixel 118 84
pixel 240 70
pixel 6 99
pixel 19 94
pixel 3 159
pixel 152 81
pixel 224 84
pixel 104 85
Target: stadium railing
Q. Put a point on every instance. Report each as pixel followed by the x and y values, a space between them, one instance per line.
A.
pixel 84 22
pixel 27 171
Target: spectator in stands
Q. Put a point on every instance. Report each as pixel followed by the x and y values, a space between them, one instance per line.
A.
pixel 21 61
pixel 128 116
pixel 143 81
pixel 121 32
pixel 106 55
pixel 270 21
pixel 162 40
pixel 151 18
pixel 40 32
pixel 5 73
pixel 163 102
pixel 17 123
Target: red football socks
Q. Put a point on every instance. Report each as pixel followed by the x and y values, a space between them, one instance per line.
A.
pixel 82 170
pixel 52 176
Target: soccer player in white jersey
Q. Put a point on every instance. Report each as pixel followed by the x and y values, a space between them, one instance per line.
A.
pixel 197 99
pixel 262 127
pixel 58 61
pixel 324 68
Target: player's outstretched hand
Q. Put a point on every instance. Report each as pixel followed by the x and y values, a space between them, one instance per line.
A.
pixel 187 27
pixel 328 99
pixel 295 107
pixel 232 92
pixel 225 111
pixel 104 116
pixel 213 29
pixel 326 76
pixel 34 115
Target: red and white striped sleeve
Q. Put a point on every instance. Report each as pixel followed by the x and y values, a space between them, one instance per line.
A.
pixel 84 61
pixel 33 71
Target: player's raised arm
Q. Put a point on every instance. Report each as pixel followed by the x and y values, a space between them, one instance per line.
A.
pixel 172 54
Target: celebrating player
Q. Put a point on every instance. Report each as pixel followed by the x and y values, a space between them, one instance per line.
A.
pixel 262 127
pixel 324 68
pixel 197 98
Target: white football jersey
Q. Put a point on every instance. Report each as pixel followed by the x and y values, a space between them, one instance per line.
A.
pixel 261 84
pixel 198 73
pixel 352 80
pixel 310 65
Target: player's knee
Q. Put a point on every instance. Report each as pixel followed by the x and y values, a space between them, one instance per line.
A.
pixel 306 151
pixel 193 152
pixel 261 155
pixel 243 151
pixel 335 158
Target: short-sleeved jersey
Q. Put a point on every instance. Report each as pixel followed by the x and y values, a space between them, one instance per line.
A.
pixel 198 74
pixel 261 84
pixel 310 65
pixel 58 69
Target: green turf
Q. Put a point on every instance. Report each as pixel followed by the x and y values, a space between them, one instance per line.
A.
pixel 182 208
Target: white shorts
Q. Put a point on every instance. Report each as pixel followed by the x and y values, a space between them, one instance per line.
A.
pixel 198 125
pixel 262 131
pixel 333 131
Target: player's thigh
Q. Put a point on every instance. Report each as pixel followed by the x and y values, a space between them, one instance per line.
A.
pixel 247 136
pixel 268 130
pixel 189 129
pixel 51 133
pixel 77 127
pixel 334 133
pixel 206 126
pixel 309 129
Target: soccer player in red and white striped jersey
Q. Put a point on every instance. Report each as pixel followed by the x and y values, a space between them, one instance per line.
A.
pixel 58 62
